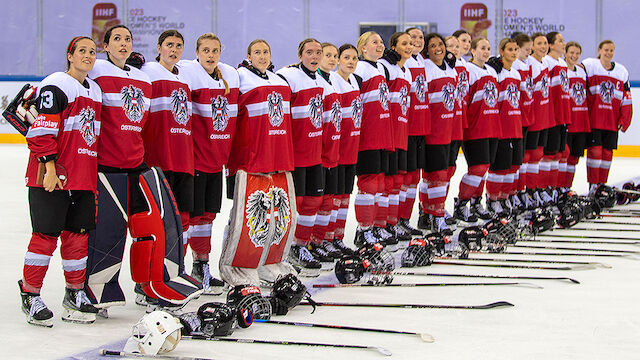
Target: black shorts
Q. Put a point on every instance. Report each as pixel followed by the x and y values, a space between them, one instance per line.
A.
pixel 181 185
pixel 309 181
pixel 231 185
pixel 346 179
pixel 436 157
pixel 137 202
pixel 531 142
pixel 454 151
pixel 331 181
pixel 556 140
pixel 504 156
pixel 372 162
pixel 415 153
pixel 53 212
pixel 207 189
pixel 480 151
pixel 402 156
pixel 606 138
pixel 577 143
pixel 518 151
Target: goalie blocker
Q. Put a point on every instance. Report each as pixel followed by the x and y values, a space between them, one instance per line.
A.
pixel 21 111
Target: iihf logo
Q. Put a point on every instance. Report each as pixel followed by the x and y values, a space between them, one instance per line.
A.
pixel 179 107
pixel 564 81
pixel 449 96
pixel 315 111
pixel 528 86
pixel 383 91
pixel 88 125
pixel 356 111
pixel 220 112
pixel 276 108
pixel 578 93
pixel 404 100
pixel 513 95
pixel 606 92
pixel 336 114
pixel 544 82
pixel 132 103
pixel 490 94
pixel 421 88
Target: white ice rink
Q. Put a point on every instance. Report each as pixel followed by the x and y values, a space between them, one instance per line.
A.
pixel 597 319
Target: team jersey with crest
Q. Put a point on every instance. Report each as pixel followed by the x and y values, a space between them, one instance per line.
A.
pixel 542 106
pixel 376 132
pixel 441 90
pixel 483 115
pixel 125 109
pixel 609 95
pixel 526 91
pixel 419 115
pixel 579 107
pixel 462 90
pixel 399 102
pixel 351 103
pixel 69 126
pixel 214 113
pixel 509 104
pixel 559 90
pixel 332 122
pixel 262 143
pixel 306 115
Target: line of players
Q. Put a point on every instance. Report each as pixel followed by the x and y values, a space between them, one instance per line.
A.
pixel 390 116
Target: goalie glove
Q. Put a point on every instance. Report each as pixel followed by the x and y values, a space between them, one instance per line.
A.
pixel 21 111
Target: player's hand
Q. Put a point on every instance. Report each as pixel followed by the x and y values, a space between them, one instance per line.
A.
pixel 51 179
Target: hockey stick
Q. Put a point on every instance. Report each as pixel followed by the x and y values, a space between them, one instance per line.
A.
pixel 531 267
pixel 631 256
pixel 589 263
pixel 523 284
pixel 597 229
pixel 378 349
pixel 634 243
pixel 576 249
pixel 587 237
pixel 424 336
pixel 105 352
pixel 411 273
pixel 602 221
pixel 492 305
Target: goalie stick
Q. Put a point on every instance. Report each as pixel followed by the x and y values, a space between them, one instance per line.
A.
pixel 378 349
pixel 531 267
pixel 603 221
pixel 589 263
pixel 597 229
pixel 631 252
pixel 105 352
pixel 634 243
pixel 523 277
pixel 492 305
pixel 522 284
pixel 587 237
pixel 424 336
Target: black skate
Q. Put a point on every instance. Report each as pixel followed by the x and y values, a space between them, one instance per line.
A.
pixel 210 285
pixel 404 223
pixel 386 238
pixel 344 249
pixel 143 299
pixel 35 309
pixel 463 212
pixel 478 210
pixel 331 250
pixel 364 237
pixel 320 254
pixel 439 225
pixel 77 307
pixel 423 220
pixel 302 260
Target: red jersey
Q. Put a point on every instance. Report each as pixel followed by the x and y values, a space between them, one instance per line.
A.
pixel 462 91
pixel 441 90
pixel 306 115
pixel 483 115
pixel 542 106
pixel 419 115
pixel 376 132
pixel 262 143
pixel 399 102
pixel 559 90
pixel 125 109
pixel 168 141
pixel 351 103
pixel 214 113
pixel 609 95
pixel 69 126
pixel 509 104
pixel 578 93
pixel 332 120
pixel 526 91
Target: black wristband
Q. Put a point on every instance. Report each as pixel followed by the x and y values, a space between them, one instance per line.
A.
pixel 47 158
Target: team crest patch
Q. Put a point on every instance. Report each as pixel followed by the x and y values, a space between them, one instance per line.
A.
pixel 463 84
pixel 383 97
pixel 179 107
pixel 276 108
pixel 88 125
pixel 449 96
pixel 578 93
pixel 404 100
pixel 260 207
pixel 528 86
pixel 544 85
pixel 132 103
pixel 315 111
pixel 421 89
pixel 336 115
pixel 490 94
pixel 356 111
pixel 220 113
pixel 564 81
pixel 513 95
pixel 606 92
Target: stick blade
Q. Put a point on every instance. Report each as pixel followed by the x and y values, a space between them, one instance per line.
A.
pixel 382 350
pixel 427 337
pixel 528 285
pixel 495 305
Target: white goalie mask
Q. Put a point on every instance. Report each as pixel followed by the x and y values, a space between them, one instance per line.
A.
pixel 155 333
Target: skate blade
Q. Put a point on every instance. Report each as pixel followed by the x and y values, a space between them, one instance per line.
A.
pixel 213 291
pixel 45 323
pixel 391 248
pixel 309 272
pixel 103 313
pixel 327 265
pixel 78 317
